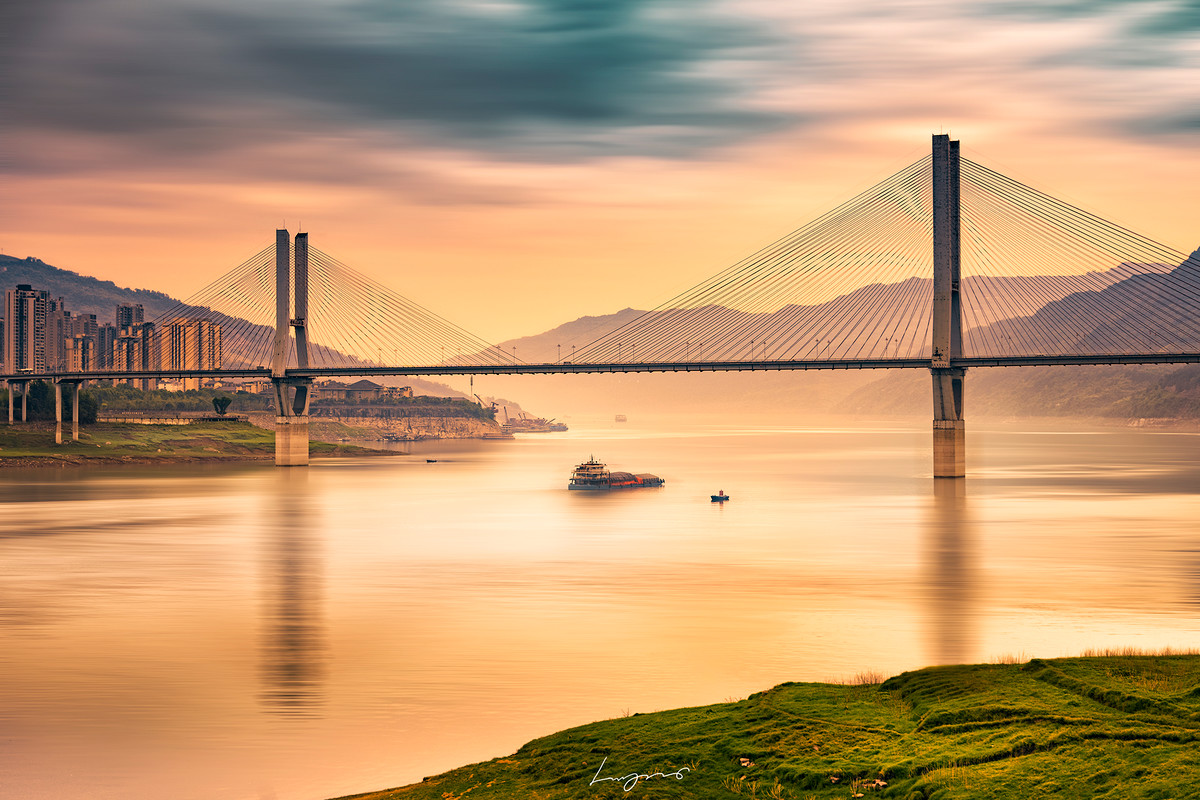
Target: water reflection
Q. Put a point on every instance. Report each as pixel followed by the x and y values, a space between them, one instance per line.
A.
pixel 294 632
pixel 950 551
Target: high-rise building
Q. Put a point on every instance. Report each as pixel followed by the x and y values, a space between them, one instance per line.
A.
pixel 25 329
pixel 58 330
pixel 136 349
pixel 106 337
pixel 84 325
pixel 190 344
pixel 81 353
pixel 130 315
pixel 127 353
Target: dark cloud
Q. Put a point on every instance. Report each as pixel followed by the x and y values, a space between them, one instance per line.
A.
pixel 1131 47
pixel 1139 33
pixel 539 80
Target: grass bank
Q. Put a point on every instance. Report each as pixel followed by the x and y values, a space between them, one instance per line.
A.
pixel 1096 727
pixel 32 444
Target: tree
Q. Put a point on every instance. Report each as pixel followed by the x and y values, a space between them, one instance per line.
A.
pixel 221 404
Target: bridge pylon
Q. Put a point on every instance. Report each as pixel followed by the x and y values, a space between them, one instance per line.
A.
pixel 292 395
pixel 949 428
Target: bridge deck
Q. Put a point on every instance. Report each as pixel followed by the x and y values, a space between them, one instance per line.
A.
pixel 623 366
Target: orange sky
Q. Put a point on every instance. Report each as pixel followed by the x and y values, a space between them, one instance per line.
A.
pixel 513 166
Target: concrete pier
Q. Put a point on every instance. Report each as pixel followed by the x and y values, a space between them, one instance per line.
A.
pixel 58 410
pixel 291 441
pixel 12 388
pixel 949 428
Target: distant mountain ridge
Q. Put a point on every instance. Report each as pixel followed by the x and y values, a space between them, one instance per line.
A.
pixel 1167 391
pixel 83 294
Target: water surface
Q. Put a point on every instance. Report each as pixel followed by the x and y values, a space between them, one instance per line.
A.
pixel 241 631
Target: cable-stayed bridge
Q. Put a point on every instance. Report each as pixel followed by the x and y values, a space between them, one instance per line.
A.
pixel 946 265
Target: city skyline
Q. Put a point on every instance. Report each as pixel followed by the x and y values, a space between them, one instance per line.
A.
pixel 581 141
pixel 41 334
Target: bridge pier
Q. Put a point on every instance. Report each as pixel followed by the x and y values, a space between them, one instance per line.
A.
pixel 58 410
pixel 12 386
pixel 291 421
pixel 949 427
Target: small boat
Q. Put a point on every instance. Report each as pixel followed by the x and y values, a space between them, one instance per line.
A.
pixel 620 418
pixel 431 461
pixel 720 496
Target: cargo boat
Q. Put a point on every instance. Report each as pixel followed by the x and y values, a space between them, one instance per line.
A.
pixel 594 476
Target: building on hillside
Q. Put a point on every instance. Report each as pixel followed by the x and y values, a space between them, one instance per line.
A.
pixel 81 353
pixel 59 329
pixel 81 343
pixel 130 315
pixel 25 329
pixel 136 349
pixel 190 344
pixel 106 338
pixel 397 391
pixel 363 391
pixel 84 325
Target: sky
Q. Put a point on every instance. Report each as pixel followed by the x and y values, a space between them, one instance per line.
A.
pixel 514 165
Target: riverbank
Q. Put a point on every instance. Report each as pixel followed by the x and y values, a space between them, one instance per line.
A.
pixel 32 444
pixel 1122 726
pixel 334 427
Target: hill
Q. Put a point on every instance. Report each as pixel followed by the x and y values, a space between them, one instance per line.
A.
pixel 1097 727
pixel 87 295
pixel 83 294
pixel 1092 320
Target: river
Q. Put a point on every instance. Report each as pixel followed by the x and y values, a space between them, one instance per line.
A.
pixel 241 631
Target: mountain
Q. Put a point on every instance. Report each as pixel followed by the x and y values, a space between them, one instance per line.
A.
pixel 1150 306
pixel 1136 298
pixel 83 294
pixel 1119 391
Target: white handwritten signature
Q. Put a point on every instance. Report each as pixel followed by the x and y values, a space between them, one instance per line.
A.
pixel 631 780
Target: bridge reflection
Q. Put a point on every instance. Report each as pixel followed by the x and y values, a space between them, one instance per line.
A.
pixel 951 584
pixel 294 648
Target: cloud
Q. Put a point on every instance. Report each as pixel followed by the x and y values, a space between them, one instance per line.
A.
pixel 379 91
pixel 543 80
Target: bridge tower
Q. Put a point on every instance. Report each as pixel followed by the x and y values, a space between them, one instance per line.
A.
pixel 291 394
pixel 949 428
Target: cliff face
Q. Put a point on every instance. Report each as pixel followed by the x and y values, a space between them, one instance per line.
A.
pixel 335 428
pixel 418 427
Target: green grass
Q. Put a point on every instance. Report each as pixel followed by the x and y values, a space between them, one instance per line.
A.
pixel 115 441
pixel 1094 727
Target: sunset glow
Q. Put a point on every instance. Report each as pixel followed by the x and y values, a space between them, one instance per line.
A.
pixel 467 153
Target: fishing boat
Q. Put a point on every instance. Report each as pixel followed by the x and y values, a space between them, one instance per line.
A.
pixel 720 496
pixel 593 475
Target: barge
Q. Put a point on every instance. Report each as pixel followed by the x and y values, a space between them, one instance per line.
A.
pixel 593 475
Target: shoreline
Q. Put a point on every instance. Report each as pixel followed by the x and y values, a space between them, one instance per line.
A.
pixel 31 445
pixel 1118 724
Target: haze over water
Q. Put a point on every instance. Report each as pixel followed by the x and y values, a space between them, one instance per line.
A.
pixel 242 631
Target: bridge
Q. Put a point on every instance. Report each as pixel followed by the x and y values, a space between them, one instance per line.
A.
pixel 946 265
